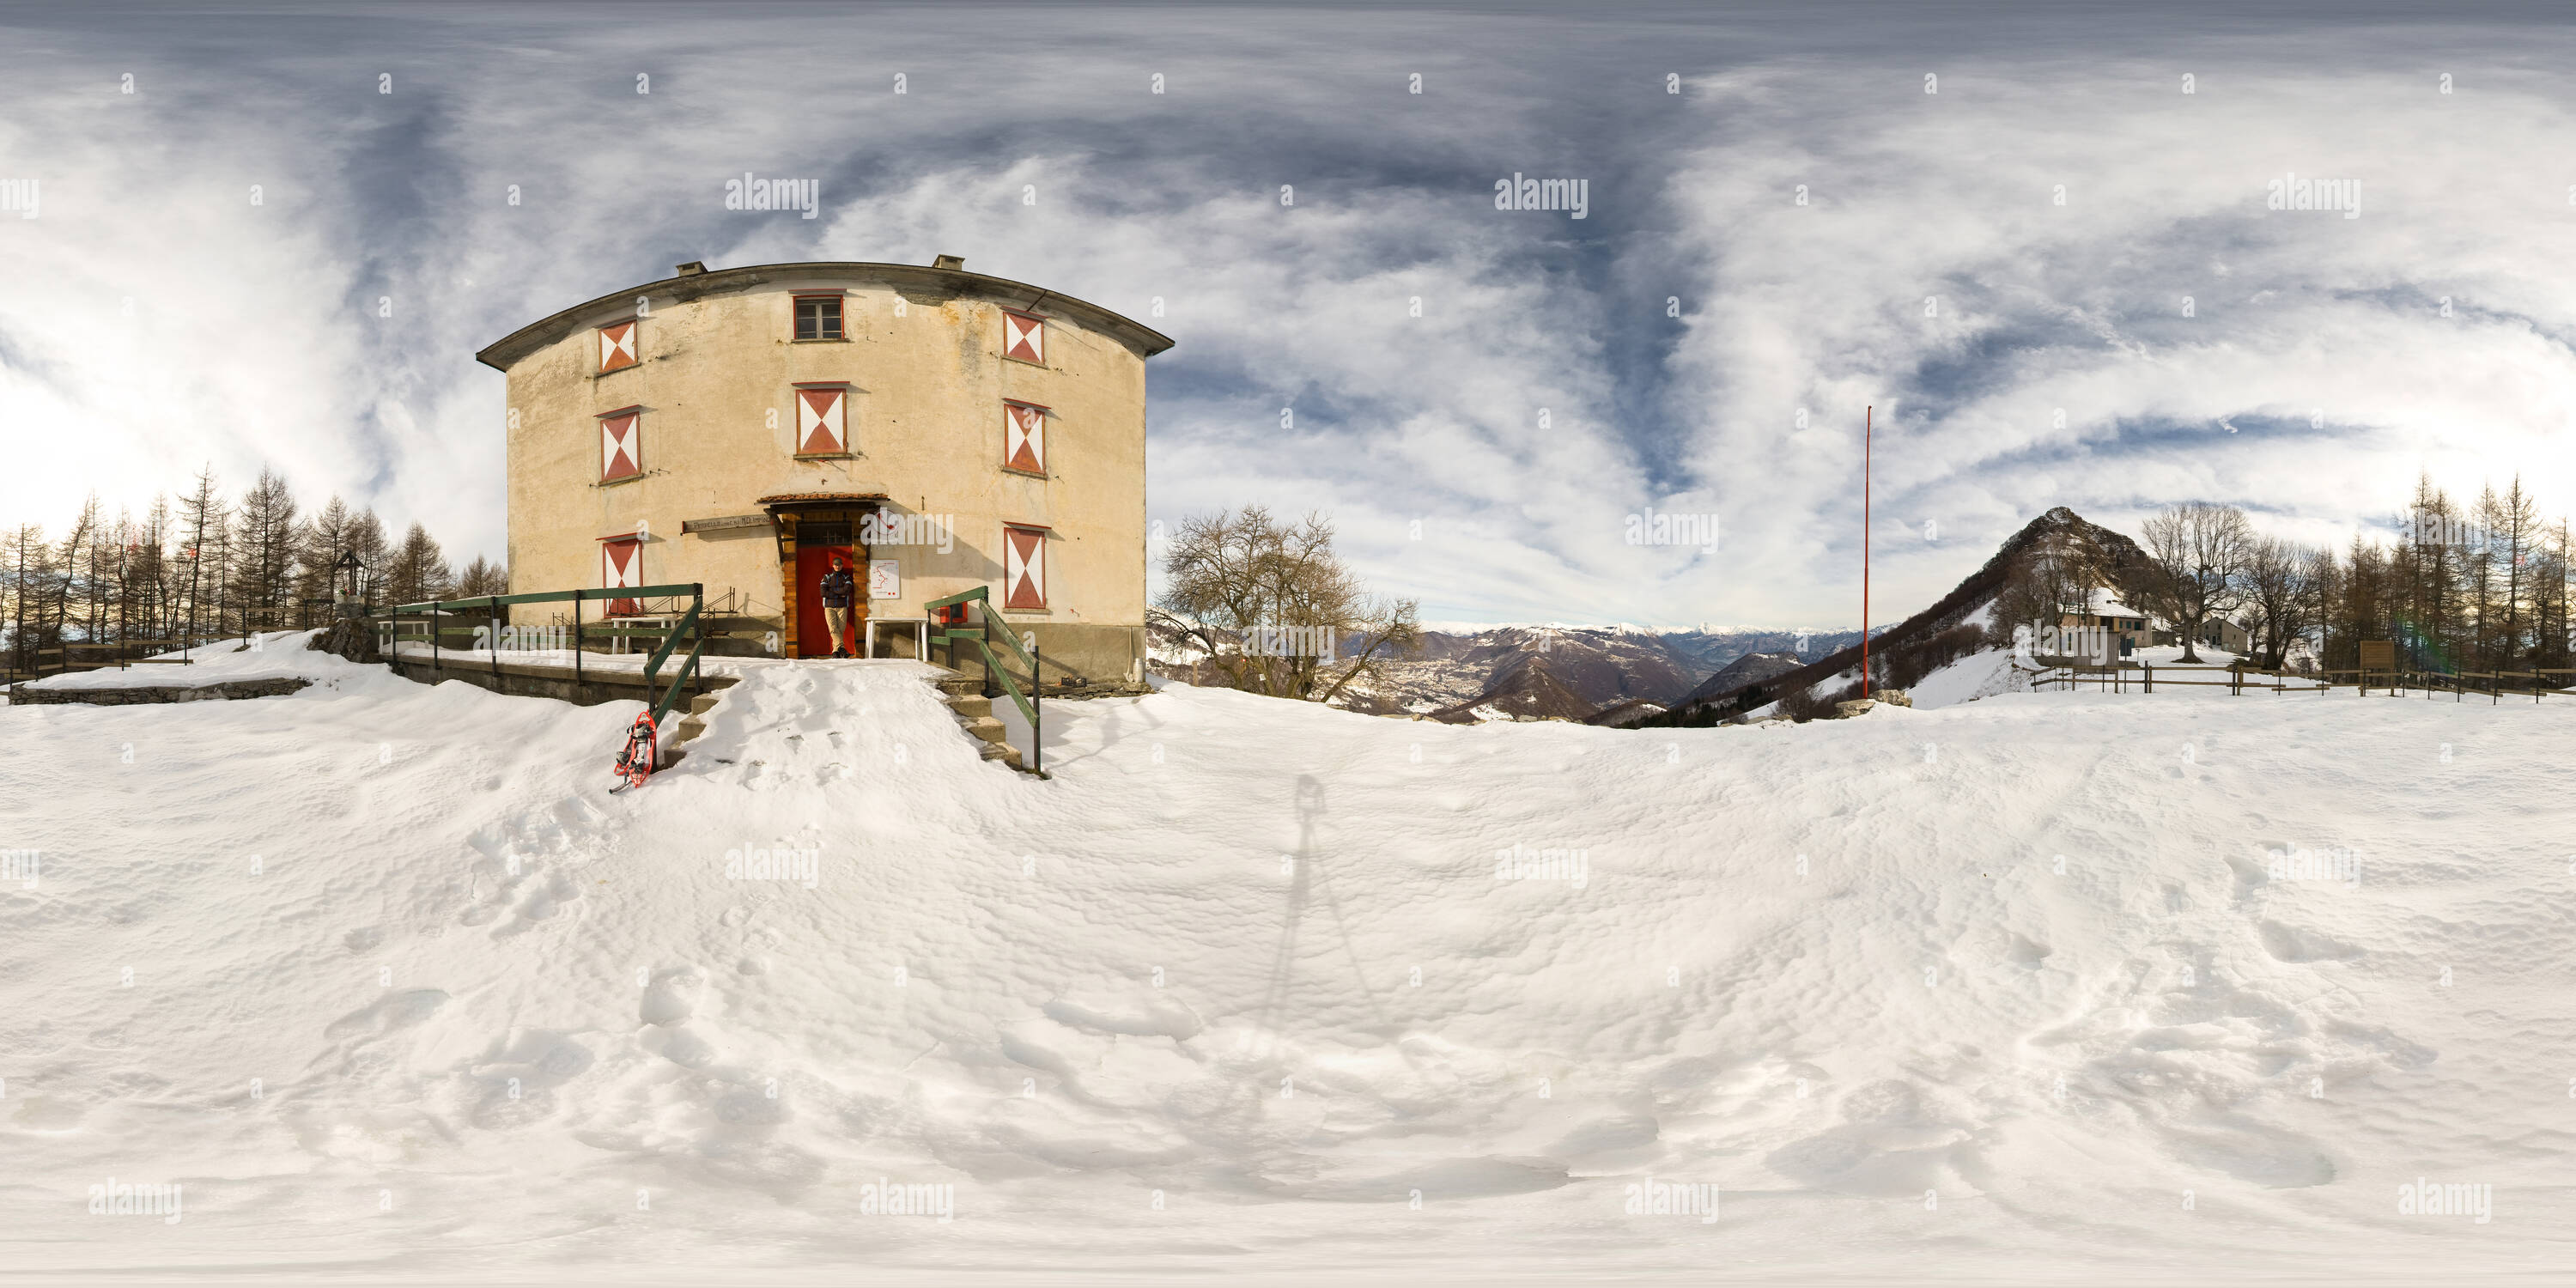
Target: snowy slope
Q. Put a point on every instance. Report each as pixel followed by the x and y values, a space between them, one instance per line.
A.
pixel 1833 969
pixel 1978 675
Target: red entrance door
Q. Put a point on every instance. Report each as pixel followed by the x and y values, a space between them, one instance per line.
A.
pixel 813 630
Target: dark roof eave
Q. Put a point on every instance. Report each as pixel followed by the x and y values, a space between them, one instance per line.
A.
pixel 528 339
pixel 818 498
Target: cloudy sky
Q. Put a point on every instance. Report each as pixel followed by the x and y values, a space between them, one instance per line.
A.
pixel 2038 243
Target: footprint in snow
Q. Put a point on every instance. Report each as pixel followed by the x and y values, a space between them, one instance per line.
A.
pixel 393 1011
pixel 668 999
pixel 2290 944
pixel 681 1047
pixel 573 811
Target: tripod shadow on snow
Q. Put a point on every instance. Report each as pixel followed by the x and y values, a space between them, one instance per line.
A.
pixel 1308 878
pixel 1290 1165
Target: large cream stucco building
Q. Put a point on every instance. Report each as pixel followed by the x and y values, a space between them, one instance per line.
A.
pixel 943 429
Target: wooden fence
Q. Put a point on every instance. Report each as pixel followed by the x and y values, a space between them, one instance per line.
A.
pixel 2147 677
pixel 64 658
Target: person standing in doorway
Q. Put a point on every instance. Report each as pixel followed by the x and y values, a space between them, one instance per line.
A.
pixel 840 591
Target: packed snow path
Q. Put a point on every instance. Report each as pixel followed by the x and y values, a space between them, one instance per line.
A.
pixel 409 991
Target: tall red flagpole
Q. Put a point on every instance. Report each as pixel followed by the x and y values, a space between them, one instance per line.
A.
pixel 1869 427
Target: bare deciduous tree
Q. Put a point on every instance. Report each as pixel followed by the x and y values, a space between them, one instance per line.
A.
pixel 2282 595
pixel 319 542
pixel 201 517
pixel 365 538
pixel 30 572
pixel 83 542
pixel 482 577
pixel 1269 607
pixel 418 571
pixel 264 536
pixel 2199 558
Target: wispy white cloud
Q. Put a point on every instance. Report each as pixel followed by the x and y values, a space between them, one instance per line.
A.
pixel 2315 372
pixel 256 336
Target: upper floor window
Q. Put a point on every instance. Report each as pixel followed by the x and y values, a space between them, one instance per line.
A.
pixel 1024 337
pixel 617 347
pixel 822 427
pixel 621 444
pixel 818 317
pixel 1024 437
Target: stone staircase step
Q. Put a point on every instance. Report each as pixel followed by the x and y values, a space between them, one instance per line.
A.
pixel 964 694
pixel 695 722
pixel 958 683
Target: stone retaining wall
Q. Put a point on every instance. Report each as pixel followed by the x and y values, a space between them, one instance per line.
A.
pixel 524 680
pixel 130 695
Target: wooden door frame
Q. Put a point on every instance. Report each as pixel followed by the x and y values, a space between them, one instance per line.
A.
pixel 785 516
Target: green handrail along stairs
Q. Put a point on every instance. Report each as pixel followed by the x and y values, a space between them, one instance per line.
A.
pixel 978 634
pixel 689 623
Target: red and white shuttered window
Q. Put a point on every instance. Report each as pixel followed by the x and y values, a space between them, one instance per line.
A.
pixel 1024 337
pixel 621 564
pixel 1024 437
pixel 822 420
pixel 1023 566
pixel 617 347
pixel 621 444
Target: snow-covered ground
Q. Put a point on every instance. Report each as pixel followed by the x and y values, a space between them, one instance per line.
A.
pixel 1976 676
pixel 265 656
pixel 1995 991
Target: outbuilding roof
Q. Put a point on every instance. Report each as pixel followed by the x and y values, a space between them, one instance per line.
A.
pixel 2106 603
pixel 930 280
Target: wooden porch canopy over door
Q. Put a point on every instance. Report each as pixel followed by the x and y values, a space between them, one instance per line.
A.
pixel 789 509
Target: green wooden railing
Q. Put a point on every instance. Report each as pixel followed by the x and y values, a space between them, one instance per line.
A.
pixel 978 634
pixel 491 605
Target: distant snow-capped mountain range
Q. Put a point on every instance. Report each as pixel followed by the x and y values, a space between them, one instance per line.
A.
pixel 1464 674
pixel 1626 674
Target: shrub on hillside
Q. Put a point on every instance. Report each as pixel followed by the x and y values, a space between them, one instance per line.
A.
pixel 1816 702
pixel 1906 665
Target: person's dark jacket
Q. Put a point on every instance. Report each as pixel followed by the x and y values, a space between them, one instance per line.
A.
pixel 840 589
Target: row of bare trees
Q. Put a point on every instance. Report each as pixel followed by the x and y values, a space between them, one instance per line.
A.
pixel 203 566
pixel 2476 587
